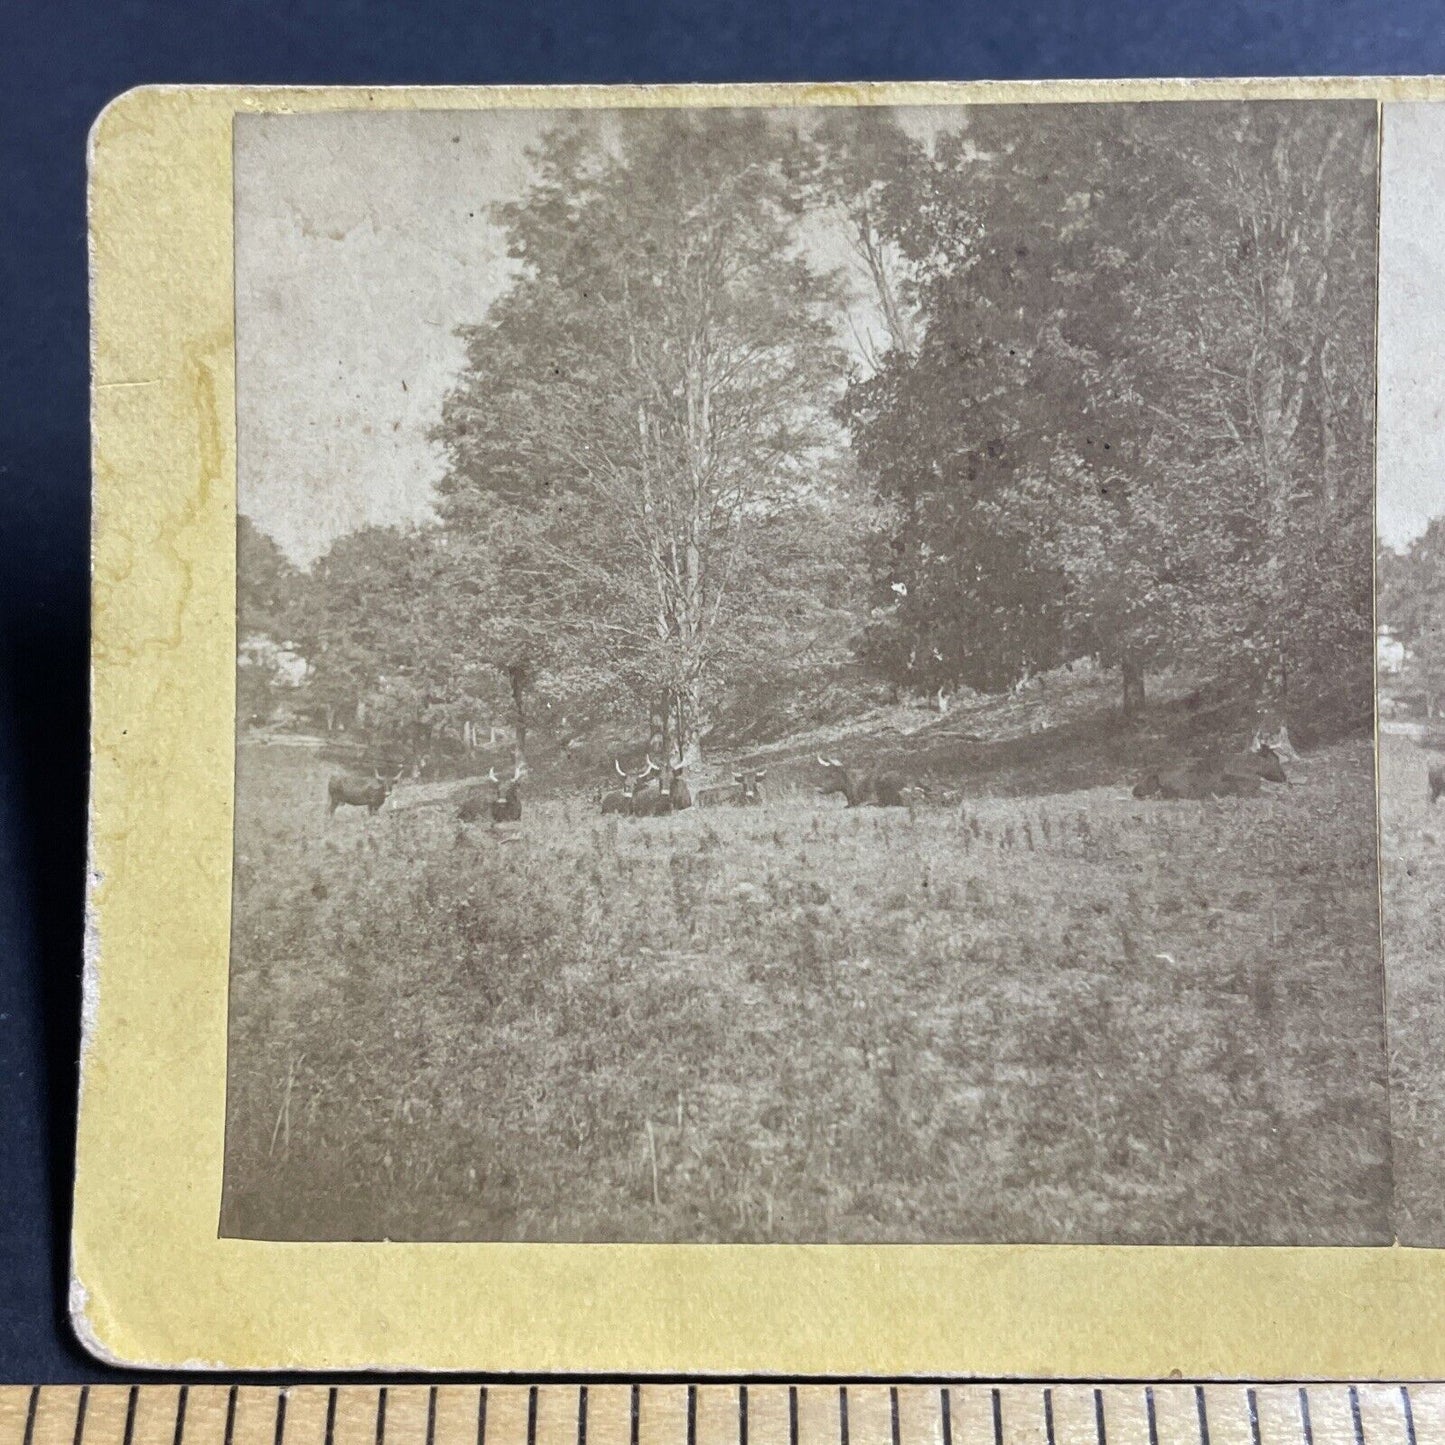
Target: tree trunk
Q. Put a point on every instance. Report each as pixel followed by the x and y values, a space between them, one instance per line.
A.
pixel 688 711
pixel 517 677
pixel 1132 674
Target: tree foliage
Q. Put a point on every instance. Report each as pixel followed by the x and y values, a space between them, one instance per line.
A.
pixel 648 411
pixel 770 394
pixel 267 584
pixel 1138 421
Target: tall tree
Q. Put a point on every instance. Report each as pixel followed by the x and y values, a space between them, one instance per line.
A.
pixel 363 616
pixel 1137 423
pixel 652 398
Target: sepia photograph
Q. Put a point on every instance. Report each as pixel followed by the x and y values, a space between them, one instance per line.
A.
pixel 807 675
pixel 1410 653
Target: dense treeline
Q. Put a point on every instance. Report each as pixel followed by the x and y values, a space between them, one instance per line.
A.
pixel 1411 584
pixel 774 398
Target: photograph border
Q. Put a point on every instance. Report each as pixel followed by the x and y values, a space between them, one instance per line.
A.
pixel 152 1284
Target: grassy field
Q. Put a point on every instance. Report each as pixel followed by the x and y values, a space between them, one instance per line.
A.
pixel 1411 839
pixel 1073 1017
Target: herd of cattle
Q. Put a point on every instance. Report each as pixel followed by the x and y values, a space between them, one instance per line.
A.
pixel 655 790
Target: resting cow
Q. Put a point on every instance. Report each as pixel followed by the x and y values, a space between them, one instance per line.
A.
pixel 1196 781
pixel 885 790
pixel 623 800
pixel 672 795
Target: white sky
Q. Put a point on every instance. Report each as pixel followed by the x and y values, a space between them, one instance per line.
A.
pixel 1410 462
pixel 361 244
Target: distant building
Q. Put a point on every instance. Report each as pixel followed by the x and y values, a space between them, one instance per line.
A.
pixel 1390 652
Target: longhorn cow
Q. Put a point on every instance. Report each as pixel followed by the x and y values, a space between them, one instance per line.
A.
pixel 353 790
pixel 884 790
pixel 622 800
pixel 749 783
pixel 672 795
pixel 505 804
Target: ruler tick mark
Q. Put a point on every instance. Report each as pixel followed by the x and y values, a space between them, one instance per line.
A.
pixel 431 1416
pixel 792 1416
pixel 280 1417
pixel 482 1415
pixel 893 1410
pixel 842 1415
pixel 945 1409
pixel 331 1416
pixel 1099 1418
pixel 692 1415
pixel 1049 1416
pixel 30 1410
pixel 80 1412
pixel 1409 1411
pixel 1304 1416
pixel 582 1415
pixel 1202 1410
pixel 531 1415
pixel 1153 1418
pixel 1355 1415
pixel 231 1416
pixel 636 1413
pixel 742 1415
pixel 130 1403
pixel 997 1417
pixel 1253 1401
pixel 381 1416
pixel 182 1395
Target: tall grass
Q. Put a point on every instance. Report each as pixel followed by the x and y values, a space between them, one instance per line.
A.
pixel 1412 841
pixel 1077 1017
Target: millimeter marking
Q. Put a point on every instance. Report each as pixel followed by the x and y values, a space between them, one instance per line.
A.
pixel 1409 1414
pixel 732 1413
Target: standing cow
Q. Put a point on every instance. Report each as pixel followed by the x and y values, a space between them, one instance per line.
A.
pixel 353 790
pixel 883 790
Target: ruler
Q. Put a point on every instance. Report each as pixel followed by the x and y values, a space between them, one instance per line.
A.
pixel 724 1414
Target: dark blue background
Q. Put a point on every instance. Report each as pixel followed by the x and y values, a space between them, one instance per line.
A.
pixel 61 61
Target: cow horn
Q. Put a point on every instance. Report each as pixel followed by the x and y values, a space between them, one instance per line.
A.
pixel 517 772
pixel 761 773
pixel 618 766
pixel 492 776
pixel 376 773
pixel 824 761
